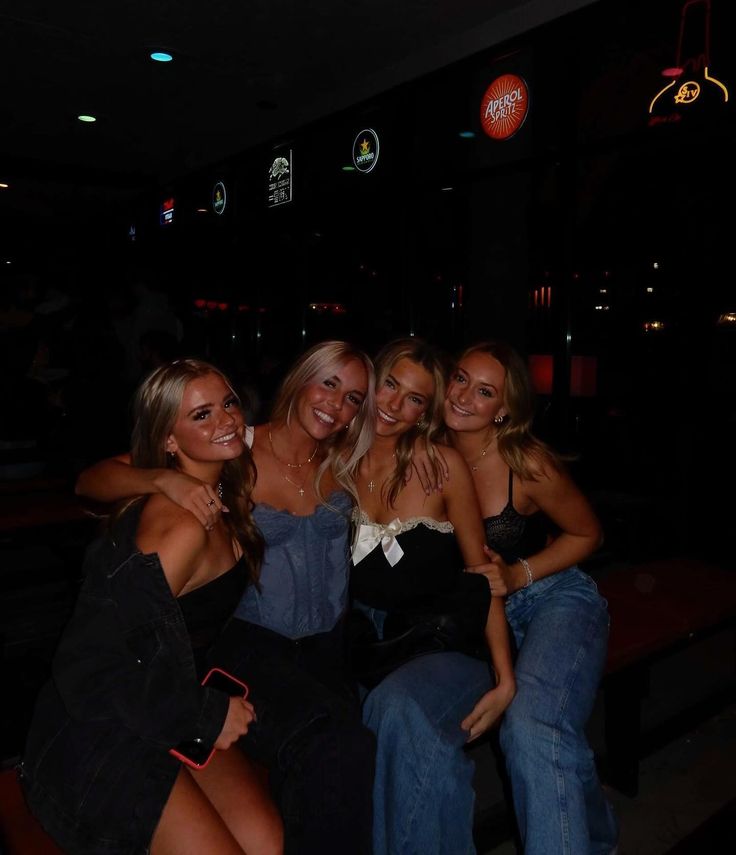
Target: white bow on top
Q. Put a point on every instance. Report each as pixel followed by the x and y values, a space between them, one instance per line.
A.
pixel 371 534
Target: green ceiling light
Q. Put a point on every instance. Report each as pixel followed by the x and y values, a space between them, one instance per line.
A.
pixel 161 56
pixel 86 118
pixel 348 169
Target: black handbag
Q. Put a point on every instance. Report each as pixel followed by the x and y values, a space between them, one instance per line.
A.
pixel 453 622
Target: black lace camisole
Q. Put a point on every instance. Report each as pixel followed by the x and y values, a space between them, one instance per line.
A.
pixel 516 535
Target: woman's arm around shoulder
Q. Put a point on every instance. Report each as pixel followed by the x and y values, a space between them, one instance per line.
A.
pixel 115 478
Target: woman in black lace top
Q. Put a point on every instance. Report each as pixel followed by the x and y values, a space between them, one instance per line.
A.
pixel 538 526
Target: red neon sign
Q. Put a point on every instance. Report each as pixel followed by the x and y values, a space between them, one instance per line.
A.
pixel 504 107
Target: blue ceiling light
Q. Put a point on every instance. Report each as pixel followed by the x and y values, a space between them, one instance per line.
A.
pixel 161 56
pixel 467 135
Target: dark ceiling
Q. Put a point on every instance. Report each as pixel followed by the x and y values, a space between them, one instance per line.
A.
pixel 243 73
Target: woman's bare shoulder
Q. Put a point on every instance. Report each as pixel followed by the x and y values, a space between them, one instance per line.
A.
pixel 453 458
pixel 163 519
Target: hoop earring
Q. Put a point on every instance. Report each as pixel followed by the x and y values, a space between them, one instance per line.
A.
pixel 498 420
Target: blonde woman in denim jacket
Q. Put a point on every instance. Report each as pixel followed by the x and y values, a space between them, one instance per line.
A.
pixel 97 769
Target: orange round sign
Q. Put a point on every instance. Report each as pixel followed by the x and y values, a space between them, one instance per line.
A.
pixel 504 106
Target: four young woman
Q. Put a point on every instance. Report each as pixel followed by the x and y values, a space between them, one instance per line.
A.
pixel 328 453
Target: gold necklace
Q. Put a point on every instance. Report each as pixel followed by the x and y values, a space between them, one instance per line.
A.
pixel 474 466
pixel 286 462
pixel 372 484
pixel 299 487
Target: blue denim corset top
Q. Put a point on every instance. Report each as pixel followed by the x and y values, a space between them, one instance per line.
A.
pixel 304 577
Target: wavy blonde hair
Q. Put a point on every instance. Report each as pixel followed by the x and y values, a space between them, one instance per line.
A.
pixel 517 444
pixel 156 407
pixel 431 425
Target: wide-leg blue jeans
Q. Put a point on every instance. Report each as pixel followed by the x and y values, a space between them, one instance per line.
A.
pixel 560 625
pixel 423 798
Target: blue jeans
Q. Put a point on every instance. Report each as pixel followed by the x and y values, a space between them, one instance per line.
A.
pixel 560 625
pixel 423 799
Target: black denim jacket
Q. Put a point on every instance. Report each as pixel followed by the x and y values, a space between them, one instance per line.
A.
pixel 123 691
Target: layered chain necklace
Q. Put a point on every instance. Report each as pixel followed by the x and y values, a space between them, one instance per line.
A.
pixel 298 465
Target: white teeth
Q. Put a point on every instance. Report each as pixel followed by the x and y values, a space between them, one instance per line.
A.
pixel 386 417
pixel 459 410
pixel 324 417
pixel 225 438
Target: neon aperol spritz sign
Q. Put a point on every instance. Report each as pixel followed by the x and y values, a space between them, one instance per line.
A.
pixel 504 106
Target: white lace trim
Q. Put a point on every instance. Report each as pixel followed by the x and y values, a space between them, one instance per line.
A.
pixel 445 526
pixel 370 534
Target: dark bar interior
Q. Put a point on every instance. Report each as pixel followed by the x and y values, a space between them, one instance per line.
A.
pixel 559 175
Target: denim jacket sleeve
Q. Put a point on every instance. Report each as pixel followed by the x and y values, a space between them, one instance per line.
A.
pixel 126 655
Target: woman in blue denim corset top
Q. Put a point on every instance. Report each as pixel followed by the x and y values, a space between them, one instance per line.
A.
pixel 538 526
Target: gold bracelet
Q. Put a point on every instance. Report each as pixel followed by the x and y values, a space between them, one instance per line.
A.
pixel 529 575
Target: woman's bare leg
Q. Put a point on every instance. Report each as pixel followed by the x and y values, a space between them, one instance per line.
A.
pixel 190 825
pixel 240 795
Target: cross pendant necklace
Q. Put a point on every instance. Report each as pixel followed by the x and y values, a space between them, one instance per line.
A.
pixel 372 483
pixel 299 487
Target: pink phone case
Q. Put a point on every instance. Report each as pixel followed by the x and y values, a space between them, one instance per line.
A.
pixel 192 752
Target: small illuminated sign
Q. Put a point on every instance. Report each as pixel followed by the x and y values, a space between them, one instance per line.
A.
pixel 504 107
pixel 219 198
pixel 280 180
pixel 166 217
pixel 687 92
pixel 690 79
pixel 366 148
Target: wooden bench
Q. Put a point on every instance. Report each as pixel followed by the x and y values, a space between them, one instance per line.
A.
pixel 656 609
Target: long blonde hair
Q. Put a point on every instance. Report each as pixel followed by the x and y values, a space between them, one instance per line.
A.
pixel 155 409
pixel 343 450
pixel 431 425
